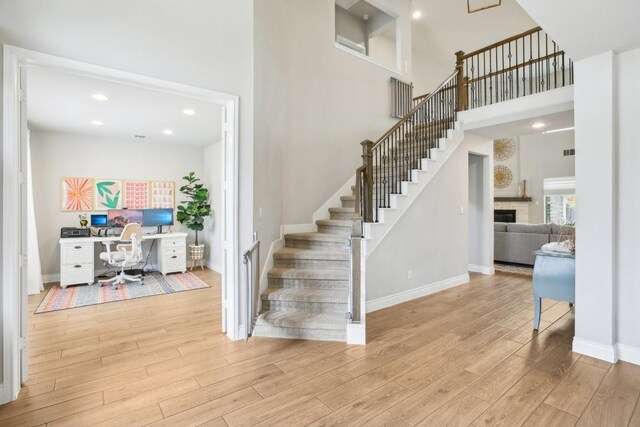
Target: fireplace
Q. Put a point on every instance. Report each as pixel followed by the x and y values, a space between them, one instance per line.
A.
pixel 504 215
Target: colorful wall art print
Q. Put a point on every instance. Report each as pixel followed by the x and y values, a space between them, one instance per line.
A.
pixel 77 194
pixel 162 194
pixel 136 194
pixel 107 194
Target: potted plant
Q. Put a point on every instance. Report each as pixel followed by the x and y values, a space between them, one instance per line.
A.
pixel 193 211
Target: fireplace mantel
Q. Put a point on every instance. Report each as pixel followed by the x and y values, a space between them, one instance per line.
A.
pixel 512 199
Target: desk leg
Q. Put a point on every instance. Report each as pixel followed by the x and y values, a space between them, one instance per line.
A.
pixel 537 303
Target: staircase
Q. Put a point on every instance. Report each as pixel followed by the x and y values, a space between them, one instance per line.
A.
pixel 308 287
pixel 315 287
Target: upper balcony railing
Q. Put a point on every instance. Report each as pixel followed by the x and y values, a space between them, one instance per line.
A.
pixel 525 64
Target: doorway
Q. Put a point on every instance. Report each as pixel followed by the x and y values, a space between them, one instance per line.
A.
pixel 17 62
pixel 480 251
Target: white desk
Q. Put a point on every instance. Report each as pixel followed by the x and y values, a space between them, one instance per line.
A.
pixel 77 256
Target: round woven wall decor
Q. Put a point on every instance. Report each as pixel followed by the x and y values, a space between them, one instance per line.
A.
pixel 502 176
pixel 503 149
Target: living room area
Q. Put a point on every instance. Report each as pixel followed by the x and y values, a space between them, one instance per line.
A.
pixel 534 192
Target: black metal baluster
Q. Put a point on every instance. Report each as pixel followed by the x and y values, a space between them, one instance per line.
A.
pixel 555 63
pixel 517 71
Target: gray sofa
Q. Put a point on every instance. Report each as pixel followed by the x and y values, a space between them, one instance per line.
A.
pixel 516 242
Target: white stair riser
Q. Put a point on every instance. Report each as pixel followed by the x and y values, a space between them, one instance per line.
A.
pixel 311 263
pixel 341 215
pixel 315 244
pixel 300 333
pixel 335 229
pixel 308 283
pixel 310 307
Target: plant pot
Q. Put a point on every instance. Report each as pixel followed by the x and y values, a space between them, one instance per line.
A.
pixel 196 252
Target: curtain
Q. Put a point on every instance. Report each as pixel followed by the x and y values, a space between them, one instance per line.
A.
pixel 34 269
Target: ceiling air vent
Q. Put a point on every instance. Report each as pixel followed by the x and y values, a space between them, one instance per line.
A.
pixel 569 152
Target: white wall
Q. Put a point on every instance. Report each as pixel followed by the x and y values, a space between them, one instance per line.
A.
pixel 336 100
pixel 213 233
pixel 431 239
pixel 476 208
pixel 428 71
pixel 349 27
pixel 204 43
pixel 595 121
pixel 541 156
pixel 56 155
pixel 627 177
pixel 327 102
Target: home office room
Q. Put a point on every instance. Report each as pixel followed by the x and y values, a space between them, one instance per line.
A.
pixel 121 179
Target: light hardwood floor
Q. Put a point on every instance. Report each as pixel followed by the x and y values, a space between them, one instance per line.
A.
pixel 465 356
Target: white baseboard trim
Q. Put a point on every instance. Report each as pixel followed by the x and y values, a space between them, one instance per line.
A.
pixel 482 269
pixel 51 278
pixel 356 333
pixel 628 353
pixel 3 398
pixel 419 292
pixel 595 349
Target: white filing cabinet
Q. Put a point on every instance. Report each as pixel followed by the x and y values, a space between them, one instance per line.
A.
pixel 172 255
pixel 76 263
pixel 77 256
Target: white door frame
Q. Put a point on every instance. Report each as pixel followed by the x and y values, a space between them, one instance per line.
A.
pixel 14 183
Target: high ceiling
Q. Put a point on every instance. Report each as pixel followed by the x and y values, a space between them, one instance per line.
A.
pixel 587 27
pixel 446 27
pixel 62 102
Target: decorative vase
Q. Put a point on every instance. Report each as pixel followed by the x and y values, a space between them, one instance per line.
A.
pixel 524 188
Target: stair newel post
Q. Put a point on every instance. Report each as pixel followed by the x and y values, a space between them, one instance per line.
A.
pixel 367 163
pixel 460 83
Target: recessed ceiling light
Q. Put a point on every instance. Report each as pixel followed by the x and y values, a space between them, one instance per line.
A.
pixel 537 125
pixel 417 14
pixel 96 122
pixel 99 97
pixel 559 130
pixel 167 132
pixel 188 112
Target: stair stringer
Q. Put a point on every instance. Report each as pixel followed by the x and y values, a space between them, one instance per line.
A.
pixel 375 232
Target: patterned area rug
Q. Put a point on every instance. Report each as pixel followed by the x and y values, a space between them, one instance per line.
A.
pixel 83 295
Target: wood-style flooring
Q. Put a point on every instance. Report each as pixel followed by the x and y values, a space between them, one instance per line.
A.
pixel 462 357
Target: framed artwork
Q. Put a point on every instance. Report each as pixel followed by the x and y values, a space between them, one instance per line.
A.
pixel 162 194
pixel 136 194
pixel 107 194
pixel 478 5
pixel 77 194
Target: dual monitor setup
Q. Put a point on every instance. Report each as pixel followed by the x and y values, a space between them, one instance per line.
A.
pixel 145 217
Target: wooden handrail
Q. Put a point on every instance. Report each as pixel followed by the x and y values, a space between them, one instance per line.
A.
pixel 501 42
pixel 514 67
pixel 413 110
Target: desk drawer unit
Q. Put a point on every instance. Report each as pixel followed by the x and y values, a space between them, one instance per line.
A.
pixel 76 263
pixel 172 255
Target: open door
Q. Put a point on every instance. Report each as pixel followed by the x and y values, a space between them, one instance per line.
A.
pixel 24 279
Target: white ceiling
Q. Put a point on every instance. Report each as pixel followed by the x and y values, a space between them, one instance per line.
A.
pixel 446 27
pixel 61 102
pixel 560 120
pixel 587 27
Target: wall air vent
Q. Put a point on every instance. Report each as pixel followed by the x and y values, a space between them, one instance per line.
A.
pixel 569 152
pixel 351 45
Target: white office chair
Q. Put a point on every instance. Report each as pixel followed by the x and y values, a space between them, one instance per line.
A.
pixel 127 255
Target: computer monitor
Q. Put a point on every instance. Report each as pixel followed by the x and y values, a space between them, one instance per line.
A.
pixel 122 217
pixel 99 220
pixel 157 218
